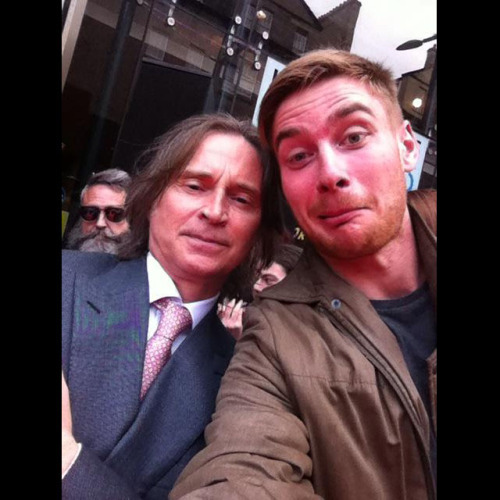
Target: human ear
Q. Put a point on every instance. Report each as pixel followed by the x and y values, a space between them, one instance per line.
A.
pixel 408 146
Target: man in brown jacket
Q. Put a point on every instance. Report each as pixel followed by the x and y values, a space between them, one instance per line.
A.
pixel 331 392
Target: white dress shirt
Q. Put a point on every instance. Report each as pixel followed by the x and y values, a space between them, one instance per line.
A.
pixel 161 285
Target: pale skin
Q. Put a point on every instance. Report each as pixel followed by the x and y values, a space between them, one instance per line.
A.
pixel 69 445
pixel 231 315
pixel 201 228
pixel 342 156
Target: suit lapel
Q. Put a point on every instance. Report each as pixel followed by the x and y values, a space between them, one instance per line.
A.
pixel 178 405
pixel 107 351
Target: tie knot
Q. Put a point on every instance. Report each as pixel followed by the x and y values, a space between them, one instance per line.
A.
pixel 163 303
pixel 174 317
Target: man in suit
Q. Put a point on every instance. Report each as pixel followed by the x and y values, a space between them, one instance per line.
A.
pixel 202 220
pixel 331 392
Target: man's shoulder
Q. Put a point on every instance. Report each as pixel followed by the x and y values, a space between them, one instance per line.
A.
pixel 88 262
pixel 104 271
pixel 95 264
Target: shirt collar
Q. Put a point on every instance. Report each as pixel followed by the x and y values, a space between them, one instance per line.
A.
pixel 161 285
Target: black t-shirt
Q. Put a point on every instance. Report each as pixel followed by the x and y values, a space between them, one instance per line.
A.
pixel 412 320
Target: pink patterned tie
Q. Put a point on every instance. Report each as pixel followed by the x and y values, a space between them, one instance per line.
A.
pixel 174 320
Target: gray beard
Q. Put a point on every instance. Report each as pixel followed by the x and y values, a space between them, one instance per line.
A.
pixel 100 240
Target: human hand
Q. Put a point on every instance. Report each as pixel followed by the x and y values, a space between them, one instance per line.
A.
pixel 231 315
pixel 69 445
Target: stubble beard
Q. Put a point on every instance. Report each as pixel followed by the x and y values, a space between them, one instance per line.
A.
pixel 364 241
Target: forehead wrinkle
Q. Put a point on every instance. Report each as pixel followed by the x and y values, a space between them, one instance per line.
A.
pixel 354 96
pixel 296 110
pixel 338 114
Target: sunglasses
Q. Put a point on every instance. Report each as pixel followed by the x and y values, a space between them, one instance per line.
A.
pixel 91 214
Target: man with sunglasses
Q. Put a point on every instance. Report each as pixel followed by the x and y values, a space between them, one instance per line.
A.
pixel 102 221
pixel 203 214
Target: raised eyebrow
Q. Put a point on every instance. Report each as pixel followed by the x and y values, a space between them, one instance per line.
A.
pixel 349 109
pixel 285 134
pixel 338 114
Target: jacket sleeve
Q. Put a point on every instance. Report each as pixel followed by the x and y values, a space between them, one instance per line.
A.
pixel 257 447
pixel 90 479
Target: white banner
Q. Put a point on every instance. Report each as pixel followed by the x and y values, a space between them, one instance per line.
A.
pixel 273 67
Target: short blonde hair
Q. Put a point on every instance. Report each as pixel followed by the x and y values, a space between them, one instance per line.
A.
pixel 319 65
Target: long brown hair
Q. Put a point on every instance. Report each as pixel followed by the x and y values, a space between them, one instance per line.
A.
pixel 163 163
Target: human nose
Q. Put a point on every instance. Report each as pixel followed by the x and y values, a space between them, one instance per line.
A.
pixel 333 169
pixel 101 219
pixel 215 209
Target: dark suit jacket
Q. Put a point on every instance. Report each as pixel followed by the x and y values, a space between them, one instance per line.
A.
pixel 131 449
